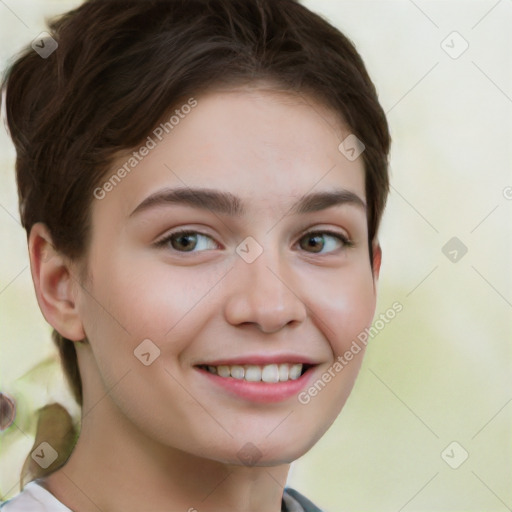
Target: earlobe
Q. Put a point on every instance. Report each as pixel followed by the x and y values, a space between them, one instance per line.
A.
pixel 54 284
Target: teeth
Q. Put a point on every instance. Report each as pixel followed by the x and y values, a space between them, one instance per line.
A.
pixel 237 372
pixel 224 371
pixel 283 372
pixel 270 373
pixel 295 371
pixel 254 373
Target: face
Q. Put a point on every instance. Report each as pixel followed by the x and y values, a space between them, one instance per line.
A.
pixel 229 269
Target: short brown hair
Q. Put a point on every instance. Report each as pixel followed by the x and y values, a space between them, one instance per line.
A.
pixel 120 66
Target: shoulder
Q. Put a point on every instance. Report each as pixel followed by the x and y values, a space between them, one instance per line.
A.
pixel 33 498
pixel 296 502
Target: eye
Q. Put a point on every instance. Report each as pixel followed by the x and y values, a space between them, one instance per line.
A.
pixel 187 241
pixel 193 241
pixel 318 240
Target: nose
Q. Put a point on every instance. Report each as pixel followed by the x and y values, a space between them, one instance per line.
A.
pixel 262 293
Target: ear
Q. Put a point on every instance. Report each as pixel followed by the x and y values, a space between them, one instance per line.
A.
pixel 54 284
pixel 377 260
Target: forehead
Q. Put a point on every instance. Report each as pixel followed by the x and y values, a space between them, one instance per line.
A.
pixel 262 145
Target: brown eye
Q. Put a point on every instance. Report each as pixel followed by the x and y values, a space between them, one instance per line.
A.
pixel 187 241
pixel 183 242
pixel 316 241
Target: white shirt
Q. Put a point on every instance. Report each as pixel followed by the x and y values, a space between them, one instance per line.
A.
pixel 34 498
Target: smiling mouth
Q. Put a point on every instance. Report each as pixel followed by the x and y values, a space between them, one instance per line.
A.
pixel 270 373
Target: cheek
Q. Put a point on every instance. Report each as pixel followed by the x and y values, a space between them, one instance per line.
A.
pixel 345 305
pixel 134 300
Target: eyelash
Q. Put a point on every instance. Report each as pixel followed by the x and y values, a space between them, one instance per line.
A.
pixel 345 241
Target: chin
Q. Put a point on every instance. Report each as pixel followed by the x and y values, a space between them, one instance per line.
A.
pixel 277 453
pixel 262 454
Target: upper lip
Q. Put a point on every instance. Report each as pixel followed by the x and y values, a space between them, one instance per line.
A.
pixel 260 360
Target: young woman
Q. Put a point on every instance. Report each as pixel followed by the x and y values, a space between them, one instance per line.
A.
pixel 201 183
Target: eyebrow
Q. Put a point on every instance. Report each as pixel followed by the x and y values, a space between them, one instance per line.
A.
pixel 229 204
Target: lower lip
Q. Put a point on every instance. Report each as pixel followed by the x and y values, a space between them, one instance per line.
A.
pixel 262 392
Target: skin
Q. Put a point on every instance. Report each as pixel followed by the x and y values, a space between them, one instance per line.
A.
pixel 162 435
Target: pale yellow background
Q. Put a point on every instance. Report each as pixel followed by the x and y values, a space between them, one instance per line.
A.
pixel 441 370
